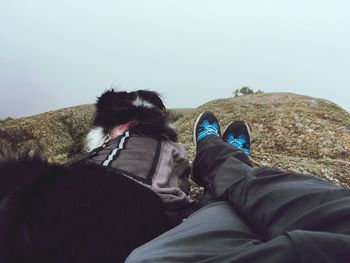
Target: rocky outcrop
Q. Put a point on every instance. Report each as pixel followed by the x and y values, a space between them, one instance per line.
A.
pixel 292 132
pixel 57 135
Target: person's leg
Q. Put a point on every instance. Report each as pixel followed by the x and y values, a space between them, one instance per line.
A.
pixel 213 230
pixel 214 157
pixel 216 232
pixel 272 201
pixel 207 126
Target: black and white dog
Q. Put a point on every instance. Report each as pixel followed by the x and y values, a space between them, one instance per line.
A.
pixel 85 212
pixel 117 111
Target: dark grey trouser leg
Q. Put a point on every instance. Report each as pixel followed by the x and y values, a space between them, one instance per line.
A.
pixel 216 233
pixel 216 229
pixel 218 165
pixel 272 201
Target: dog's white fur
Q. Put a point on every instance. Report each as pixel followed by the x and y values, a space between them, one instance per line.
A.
pixel 139 102
pixel 95 138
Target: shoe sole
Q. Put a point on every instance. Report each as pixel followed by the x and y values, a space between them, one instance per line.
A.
pixel 248 129
pixel 194 129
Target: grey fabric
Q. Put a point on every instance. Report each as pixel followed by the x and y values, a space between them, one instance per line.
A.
pixel 217 159
pixel 192 240
pixel 267 216
pixel 273 201
pixel 215 233
pixel 134 155
pixel 158 164
pixel 173 167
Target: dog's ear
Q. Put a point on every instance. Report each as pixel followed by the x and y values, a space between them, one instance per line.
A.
pixel 111 107
pixel 111 101
pixel 151 97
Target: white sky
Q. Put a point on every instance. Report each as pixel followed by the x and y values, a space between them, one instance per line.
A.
pixel 55 54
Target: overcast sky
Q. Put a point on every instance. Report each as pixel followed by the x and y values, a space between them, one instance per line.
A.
pixel 55 54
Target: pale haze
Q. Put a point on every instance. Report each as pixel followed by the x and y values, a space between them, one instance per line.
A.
pixel 56 54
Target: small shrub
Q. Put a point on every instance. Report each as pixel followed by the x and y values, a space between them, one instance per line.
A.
pixel 245 91
pixel 236 93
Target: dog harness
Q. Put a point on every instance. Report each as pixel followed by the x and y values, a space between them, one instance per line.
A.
pixel 158 164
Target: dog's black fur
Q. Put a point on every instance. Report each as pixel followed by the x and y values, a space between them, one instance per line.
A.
pixel 52 213
pixel 114 108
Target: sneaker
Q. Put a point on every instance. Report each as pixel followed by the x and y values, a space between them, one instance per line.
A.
pixel 237 133
pixel 206 124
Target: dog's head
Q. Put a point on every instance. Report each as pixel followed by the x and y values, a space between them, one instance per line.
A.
pixel 116 107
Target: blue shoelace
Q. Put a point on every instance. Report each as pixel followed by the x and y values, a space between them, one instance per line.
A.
pixel 238 142
pixel 206 129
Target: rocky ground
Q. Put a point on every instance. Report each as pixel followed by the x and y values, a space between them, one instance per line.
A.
pixel 292 132
pixel 57 135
